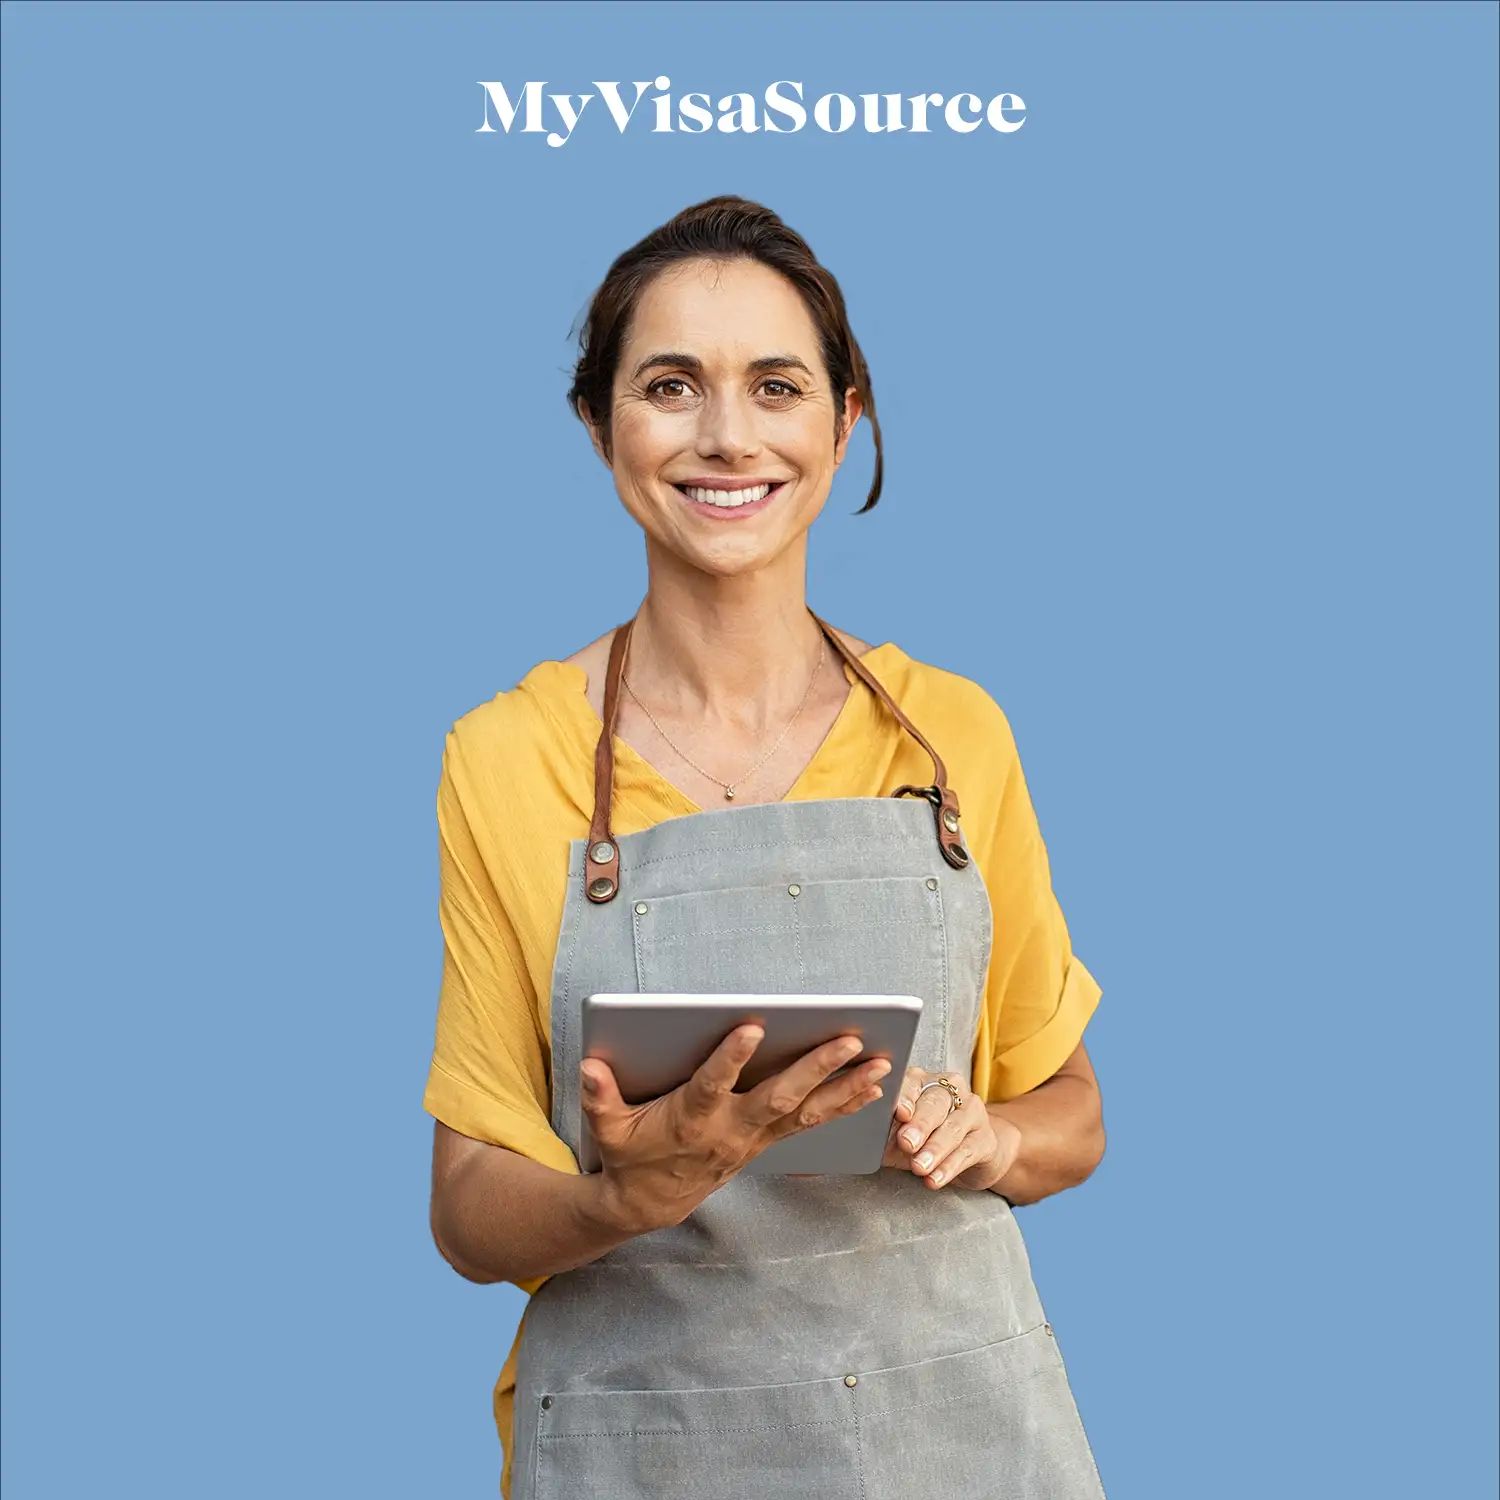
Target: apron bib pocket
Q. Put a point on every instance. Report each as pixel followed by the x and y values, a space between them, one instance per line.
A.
pixel 879 935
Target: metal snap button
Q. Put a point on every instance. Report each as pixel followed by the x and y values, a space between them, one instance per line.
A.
pixel 950 820
pixel 851 1380
pixel 931 883
pixel 640 908
pixel 1048 1327
pixel 603 853
pixel 601 887
pixel 794 890
pixel 546 1402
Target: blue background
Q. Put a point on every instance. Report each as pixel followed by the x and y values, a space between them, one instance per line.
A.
pixel 1196 375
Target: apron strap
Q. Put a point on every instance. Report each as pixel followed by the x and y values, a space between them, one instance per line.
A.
pixel 942 796
pixel 601 872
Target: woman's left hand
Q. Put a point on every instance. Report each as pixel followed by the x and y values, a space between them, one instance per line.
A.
pixel 965 1146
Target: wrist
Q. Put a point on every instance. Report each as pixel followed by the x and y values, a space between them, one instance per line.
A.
pixel 985 1176
pixel 605 1209
pixel 1003 1162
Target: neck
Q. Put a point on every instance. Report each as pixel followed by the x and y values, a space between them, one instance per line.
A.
pixel 738 654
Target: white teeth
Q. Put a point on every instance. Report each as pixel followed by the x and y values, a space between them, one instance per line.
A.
pixel 728 499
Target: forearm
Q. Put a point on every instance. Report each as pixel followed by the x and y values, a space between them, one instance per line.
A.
pixel 1062 1138
pixel 504 1217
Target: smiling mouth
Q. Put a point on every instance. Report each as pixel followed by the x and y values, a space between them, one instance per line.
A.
pixel 732 499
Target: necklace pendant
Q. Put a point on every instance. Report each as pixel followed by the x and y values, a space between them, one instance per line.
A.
pixel 729 793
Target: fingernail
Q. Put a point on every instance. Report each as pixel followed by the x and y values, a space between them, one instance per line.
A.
pixel 925 1160
pixel 937 1176
pixel 910 1137
pixel 590 1082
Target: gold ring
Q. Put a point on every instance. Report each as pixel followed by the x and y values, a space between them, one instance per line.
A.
pixel 944 1083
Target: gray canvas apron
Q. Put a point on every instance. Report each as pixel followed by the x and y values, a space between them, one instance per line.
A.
pixel 850 1337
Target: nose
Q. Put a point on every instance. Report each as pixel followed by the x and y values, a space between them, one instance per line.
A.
pixel 727 428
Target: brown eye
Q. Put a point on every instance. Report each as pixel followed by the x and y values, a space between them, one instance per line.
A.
pixel 788 390
pixel 656 386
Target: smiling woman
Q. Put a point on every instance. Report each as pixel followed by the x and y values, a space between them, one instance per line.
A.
pixel 779 803
pixel 748 424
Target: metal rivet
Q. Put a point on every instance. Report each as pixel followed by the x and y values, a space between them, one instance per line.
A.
pixel 546 1402
pixel 950 820
pixel 1048 1327
pixel 602 853
pixel 640 908
pixel 851 1380
pixel 931 883
pixel 960 854
pixel 794 890
pixel 601 887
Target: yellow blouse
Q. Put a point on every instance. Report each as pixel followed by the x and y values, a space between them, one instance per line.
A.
pixel 517 784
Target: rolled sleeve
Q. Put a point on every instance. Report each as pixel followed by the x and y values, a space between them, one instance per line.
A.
pixel 1038 996
pixel 488 1077
pixel 1031 1061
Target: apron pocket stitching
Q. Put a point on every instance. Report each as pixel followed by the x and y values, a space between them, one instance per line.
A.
pixel 720 852
pixel 859 1453
pixel 942 919
pixel 1009 1338
pixel 967 1393
pixel 563 1437
pixel 651 939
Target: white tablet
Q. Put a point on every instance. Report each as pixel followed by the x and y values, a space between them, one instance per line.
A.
pixel 655 1042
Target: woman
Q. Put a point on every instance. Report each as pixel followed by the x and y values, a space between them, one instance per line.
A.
pixel 727 794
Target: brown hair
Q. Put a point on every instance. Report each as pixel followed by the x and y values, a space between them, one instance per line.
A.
pixel 722 228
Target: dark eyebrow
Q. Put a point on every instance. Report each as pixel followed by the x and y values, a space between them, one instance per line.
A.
pixel 692 362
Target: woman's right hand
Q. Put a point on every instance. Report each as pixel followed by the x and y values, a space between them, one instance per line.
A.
pixel 663 1157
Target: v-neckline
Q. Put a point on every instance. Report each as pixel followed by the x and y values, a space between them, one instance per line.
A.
pixel 859 703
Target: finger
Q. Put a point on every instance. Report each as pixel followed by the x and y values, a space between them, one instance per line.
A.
pixel 845 1095
pixel 946 1168
pixel 719 1072
pixel 932 1109
pixel 852 1090
pixel 785 1092
pixel 906 1100
pixel 945 1137
pixel 896 1155
pixel 601 1101
pixel 896 1152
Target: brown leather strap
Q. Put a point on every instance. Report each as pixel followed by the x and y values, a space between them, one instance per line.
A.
pixel 942 796
pixel 601 873
pixel 601 860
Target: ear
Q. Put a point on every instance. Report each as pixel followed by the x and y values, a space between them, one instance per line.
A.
pixel 853 407
pixel 594 437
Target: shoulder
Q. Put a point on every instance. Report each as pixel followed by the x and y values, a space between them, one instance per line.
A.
pixel 513 734
pixel 591 661
pixel 503 723
pixel 955 704
pixel 967 727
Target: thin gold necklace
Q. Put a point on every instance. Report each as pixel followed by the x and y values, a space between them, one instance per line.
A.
pixel 729 786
